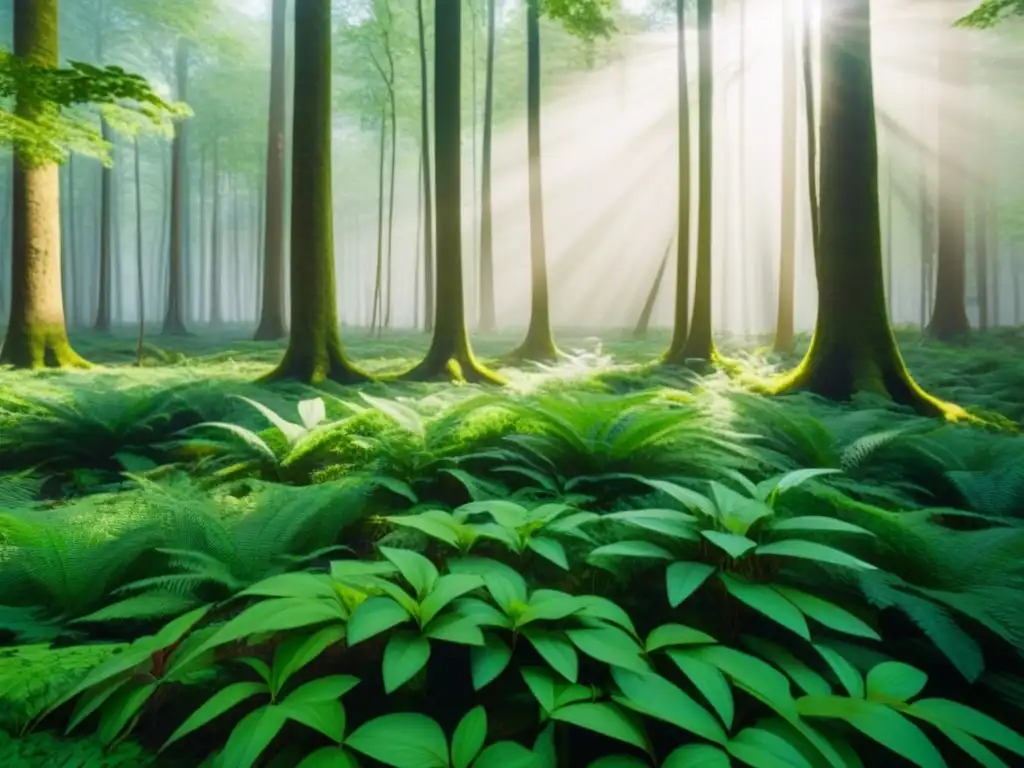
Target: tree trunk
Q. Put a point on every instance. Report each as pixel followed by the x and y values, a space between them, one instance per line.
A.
pixel 699 344
pixel 982 225
pixel 538 344
pixel 141 275
pixel 174 319
pixel 811 118
pixel 488 321
pixel 681 319
pixel 927 225
pixel 428 201
pixel 216 257
pixel 853 348
pixel 314 351
pixel 36 334
pixel 643 323
pixel 271 325
pixel 450 354
pixel 785 338
pixel 890 286
pixel 389 283
pixel 378 279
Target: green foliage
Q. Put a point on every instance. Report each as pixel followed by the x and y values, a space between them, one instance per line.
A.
pixel 586 19
pixel 991 12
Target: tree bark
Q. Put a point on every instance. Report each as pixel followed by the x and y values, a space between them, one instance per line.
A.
pixel 488 321
pixel 36 333
pixel 539 343
pixel 643 322
pixel 428 200
pixel 314 351
pixel 811 118
pixel 216 256
pixel 271 326
pixel 450 354
pixel 378 279
pixel 174 319
pixel 853 348
pixel 785 338
pixel 141 275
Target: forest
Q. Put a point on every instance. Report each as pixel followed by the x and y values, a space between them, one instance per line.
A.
pixel 511 383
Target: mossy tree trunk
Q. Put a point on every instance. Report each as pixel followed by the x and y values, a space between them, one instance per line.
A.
pixel 853 348
pixel 539 343
pixel 450 354
pixel 699 344
pixel 36 333
pixel 784 327
pixel 681 316
pixel 428 200
pixel 174 319
pixel 487 313
pixel 314 351
pixel 271 326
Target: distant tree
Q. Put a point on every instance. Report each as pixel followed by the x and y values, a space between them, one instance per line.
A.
pixel 784 335
pixel 487 311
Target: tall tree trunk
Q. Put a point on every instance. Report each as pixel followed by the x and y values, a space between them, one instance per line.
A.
pixel 139 267
pixel 890 286
pixel 927 225
pixel 700 344
pixel 271 326
pixel 681 318
pixel 418 267
pixel 450 353
pixel 378 279
pixel 949 313
pixel 538 344
pixel 174 319
pixel 204 191
pixel 853 348
pixel 811 118
pixel 982 217
pixel 785 338
pixel 72 252
pixel 314 346
pixel 488 320
pixel 102 322
pixel 389 283
pixel 428 201
pixel 36 334
pixel 216 257
pixel 643 323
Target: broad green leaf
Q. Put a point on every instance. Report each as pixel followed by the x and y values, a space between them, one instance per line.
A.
pixel 610 645
pixel 405 654
pixel 557 651
pixel 93 699
pixel 549 605
pixel 469 737
pixel 293 433
pixel 373 616
pixel 326 717
pixel 259 666
pixel 414 567
pixel 404 416
pixel 434 523
pixel 544 747
pixel 732 544
pixel 801 674
pixel 505 584
pixel 697 756
pixel 296 652
pixel 819 524
pixel 595 607
pixel 782 483
pixel 312 412
pixel 709 680
pixel 215 706
pixel 829 614
pixel 482 612
pixel 446 589
pixel 657 697
pixel 810 550
pixel 847 674
pixel 507 514
pixel 488 661
pixel 894 681
pixel 619 761
pixel 507 754
pixel 542 685
pixel 274 615
pixel 121 709
pixel 642 549
pixel 692 500
pixel 751 673
pixel 978 751
pixel 402 740
pixel 551 550
pixel 606 719
pixel 683 579
pixel 330 688
pixel 357 571
pixel 949 715
pixel 878 722
pixel 307 585
pixel 667 522
pixel 675 634
pixel 763 749
pixel 768 602
pixel 396 593
pixel 328 757
pixel 455 628
pixel 251 736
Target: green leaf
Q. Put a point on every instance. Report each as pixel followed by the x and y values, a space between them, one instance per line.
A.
pixel 829 614
pixel 328 757
pixel 357 571
pixel 544 746
pixel 675 634
pixel 373 616
pixel 293 433
pixel 326 717
pixel 790 480
pixel 709 680
pixel 447 588
pixel 683 579
pixel 402 740
pixel 307 585
pixel 751 673
pixel 505 584
pixel 405 654
pixel 768 602
pixel 847 674
pixel 414 567
pixel 404 416
pixel 818 523
pixel 551 550
pixel 978 751
pixel 251 737
pixel 121 709
pixel 697 756
pixel 801 674
pixel 810 550
pixel 732 544
pixel 878 722
pixel 895 681
pixel 692 500
pixel 542 685
pixel 312 412
pixel 330 688
pixel 642 549
pixel 507 514
pixel 296 652
pixel 619 761
pixel 763 749
pixel 610 645
pixel 949 715
pixel 667 522
pixel 606 719
pixel 557 651
pixel 469 737
pixel 549 605
pixel 595 607
pixel 274 615
pixel 488 661
pixel 508 754
pixel 434 523
pixel 215 706
pixel 656 697
pixel 455 628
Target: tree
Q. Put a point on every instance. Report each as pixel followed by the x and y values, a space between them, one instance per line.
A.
pixel 271 325
pixel 428 200
pixel 314 352
pixel 174 319
pixel 450 353
pixel 991 12
pixel 487 313
pixel 784 336
pixel 853 348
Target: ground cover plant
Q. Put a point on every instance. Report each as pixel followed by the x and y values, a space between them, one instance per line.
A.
pixel 602 564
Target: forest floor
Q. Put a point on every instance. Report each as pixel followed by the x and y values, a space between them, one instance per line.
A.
pixel 88 457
